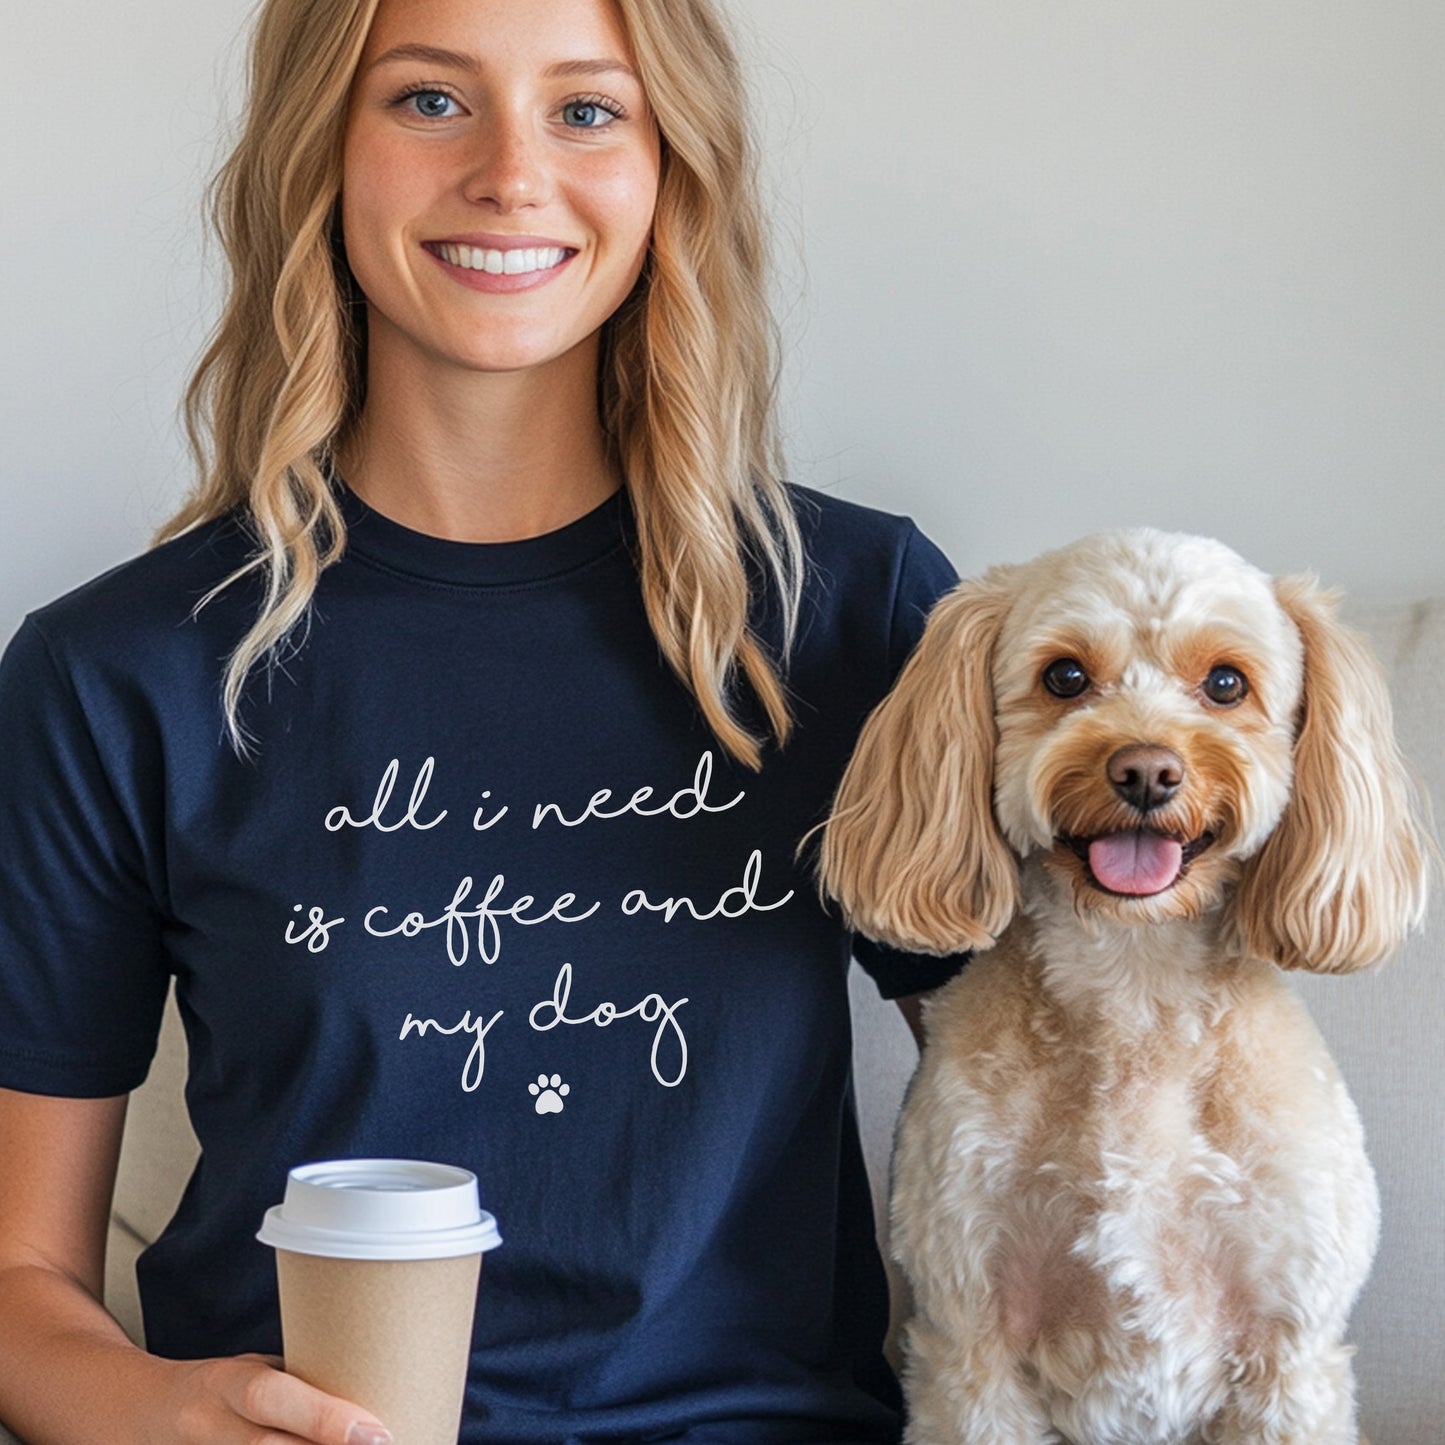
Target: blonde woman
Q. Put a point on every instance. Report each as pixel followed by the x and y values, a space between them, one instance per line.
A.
pixel 451 752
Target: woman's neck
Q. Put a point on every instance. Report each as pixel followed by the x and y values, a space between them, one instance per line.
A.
pixel 481 458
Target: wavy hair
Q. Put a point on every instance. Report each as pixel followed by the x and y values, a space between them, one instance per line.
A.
pixel 688 364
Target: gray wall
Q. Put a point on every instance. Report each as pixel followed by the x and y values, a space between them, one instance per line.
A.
pixel 1074 265
pixel 1044 267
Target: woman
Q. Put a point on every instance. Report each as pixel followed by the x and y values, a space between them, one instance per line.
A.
pixel 452 752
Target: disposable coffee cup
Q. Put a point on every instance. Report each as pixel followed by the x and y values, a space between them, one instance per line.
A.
pixel 377 1262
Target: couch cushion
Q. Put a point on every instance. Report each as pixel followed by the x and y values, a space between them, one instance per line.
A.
pixel 159 1149
pixel 1384 1029
pixel 157 1155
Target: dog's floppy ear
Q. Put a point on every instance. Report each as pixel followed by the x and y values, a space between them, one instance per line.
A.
pixel 1341 881
pixel 912 852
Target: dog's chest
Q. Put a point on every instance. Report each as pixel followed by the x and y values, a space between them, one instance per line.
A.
pixel 1121 1208
pixel 1121 1196
pixel 1119 1173
pixel 1114 1198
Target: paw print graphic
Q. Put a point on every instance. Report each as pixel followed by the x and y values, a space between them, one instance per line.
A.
pixel 549 1093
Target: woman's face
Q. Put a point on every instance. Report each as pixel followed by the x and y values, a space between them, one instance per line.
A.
pixel 500 175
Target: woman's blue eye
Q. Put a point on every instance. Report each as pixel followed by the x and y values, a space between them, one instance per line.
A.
pixel 434 104
pixel 587 113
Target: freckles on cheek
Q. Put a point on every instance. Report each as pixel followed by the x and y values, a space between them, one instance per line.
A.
pixel 622 191
pixel 622 182
pixel 379 201
pixel 385 180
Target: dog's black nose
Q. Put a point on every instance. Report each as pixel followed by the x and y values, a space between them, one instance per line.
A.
pixel 1145 776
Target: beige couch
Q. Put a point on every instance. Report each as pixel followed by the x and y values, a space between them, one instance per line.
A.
pixel 1387 1031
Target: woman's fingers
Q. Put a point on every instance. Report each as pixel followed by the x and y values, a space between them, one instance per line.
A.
pixel 250 1391
pixel 282 1402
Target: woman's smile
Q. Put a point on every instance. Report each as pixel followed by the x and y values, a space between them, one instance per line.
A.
pixel 519 265
pixel 501 261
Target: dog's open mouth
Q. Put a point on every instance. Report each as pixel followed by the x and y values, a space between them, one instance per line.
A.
pixel 1136 864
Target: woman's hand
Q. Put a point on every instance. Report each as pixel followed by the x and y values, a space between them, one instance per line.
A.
pixel 249 1401
pixel 67 1371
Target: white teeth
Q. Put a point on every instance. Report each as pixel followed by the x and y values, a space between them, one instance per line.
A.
pixel 518 262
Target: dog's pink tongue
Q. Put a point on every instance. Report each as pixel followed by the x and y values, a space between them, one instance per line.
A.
pixel 1135 863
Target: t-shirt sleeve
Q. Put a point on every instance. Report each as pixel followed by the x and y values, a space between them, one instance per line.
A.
pixel 924 575
pixel 82 969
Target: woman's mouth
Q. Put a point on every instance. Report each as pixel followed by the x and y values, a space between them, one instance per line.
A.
pixel 516 261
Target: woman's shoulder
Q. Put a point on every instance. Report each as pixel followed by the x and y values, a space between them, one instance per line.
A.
pixel 149 597
pixel 831 519
pixel 859 556
pixel 871 579
pixel 142 630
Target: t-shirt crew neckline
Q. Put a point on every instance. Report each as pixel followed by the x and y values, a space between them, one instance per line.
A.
pixel 378 539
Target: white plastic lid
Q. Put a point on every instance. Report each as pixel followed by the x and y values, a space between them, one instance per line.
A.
pixel 380 1209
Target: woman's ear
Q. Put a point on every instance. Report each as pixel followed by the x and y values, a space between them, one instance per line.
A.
pixel 912 852
pixel 1341 881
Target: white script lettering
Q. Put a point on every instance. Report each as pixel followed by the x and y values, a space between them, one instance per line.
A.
pixel 478 816
pixel 454 918
pixel 733 904
pixel 476 1064
pixel 653 1009
pixel 340 816
pixel 317 933
pixel 687 802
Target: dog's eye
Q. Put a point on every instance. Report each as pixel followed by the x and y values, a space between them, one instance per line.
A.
pixel 1065 677
pixel 1225 685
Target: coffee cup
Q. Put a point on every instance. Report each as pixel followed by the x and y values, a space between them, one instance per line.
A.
pixel 377 1262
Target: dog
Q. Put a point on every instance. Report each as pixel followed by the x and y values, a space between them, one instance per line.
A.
pixel 1130 1197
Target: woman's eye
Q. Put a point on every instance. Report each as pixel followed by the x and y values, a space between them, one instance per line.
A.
pixel 1065 677
pixel 433 104
pixel 587 114
pixel 1225 685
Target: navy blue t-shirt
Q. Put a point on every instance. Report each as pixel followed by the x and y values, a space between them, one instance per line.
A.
pixel 485 891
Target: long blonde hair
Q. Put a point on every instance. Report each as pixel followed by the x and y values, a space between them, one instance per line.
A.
pixel 687 373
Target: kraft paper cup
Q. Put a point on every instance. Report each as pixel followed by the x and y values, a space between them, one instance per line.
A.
pixel 377 1262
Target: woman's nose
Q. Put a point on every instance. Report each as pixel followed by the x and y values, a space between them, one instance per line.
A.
pixel 509 171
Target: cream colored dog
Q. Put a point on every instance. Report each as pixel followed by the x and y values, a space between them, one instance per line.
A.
pixel 1130 1191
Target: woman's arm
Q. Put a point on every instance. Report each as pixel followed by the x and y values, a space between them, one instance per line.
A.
pixel 68 1374
pixel 911 1007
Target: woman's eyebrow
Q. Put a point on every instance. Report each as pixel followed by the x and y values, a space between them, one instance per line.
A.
pixel 566 68
pixel 460 60
pixel 431 54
